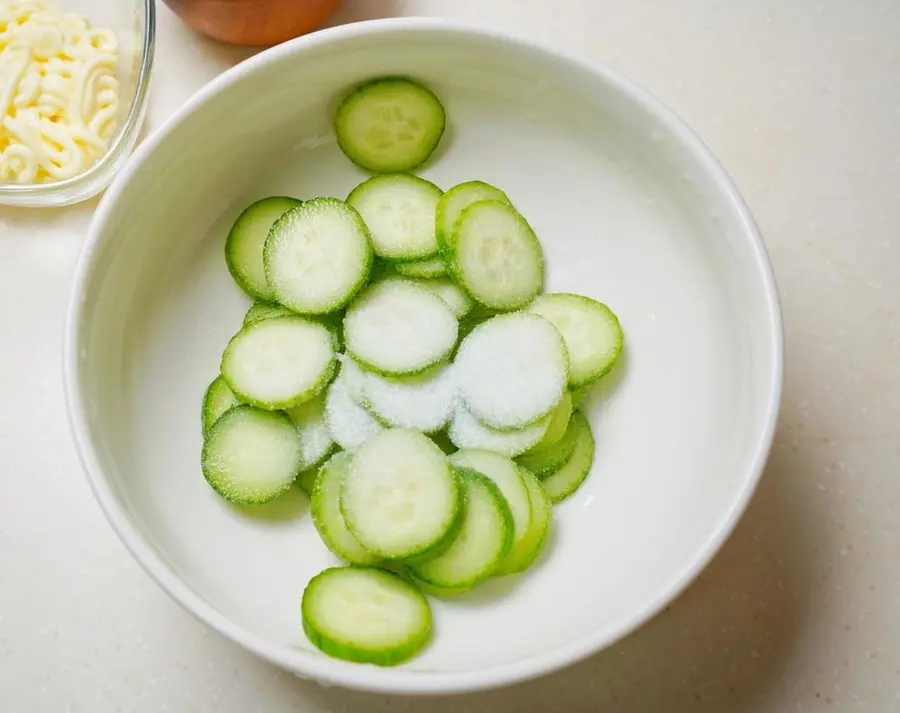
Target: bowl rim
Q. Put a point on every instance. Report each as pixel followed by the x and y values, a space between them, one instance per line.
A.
pixel 99 175
pixel 353 676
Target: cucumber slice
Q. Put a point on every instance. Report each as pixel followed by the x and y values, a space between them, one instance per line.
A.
pixel 456 200
pixel 216 401
pixel 507 476
pixel 466 431
pixel 442 441
pixel 530 547
pixel 246 241
pixel 327 516
pixel 478 315
pixel 483 543
pixel 423 402
pixel 349 423
pixel 279 362
pixel 590 330
pixel 315 438
pixel 559 422
pixel 399 211
pixel 318 256
pixel 434 267
pixel 400 497
pixel 579 395
pixel 251 456
pixel 569 478
pixel 546 460
pixel 397 328
pixel 365 615
pixel 307 480
pixel 495 256
pixel 389 124
pixel 512 370
pixel 264 310
pixel 450 292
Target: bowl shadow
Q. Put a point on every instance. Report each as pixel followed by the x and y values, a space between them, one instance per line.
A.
pixel 288 507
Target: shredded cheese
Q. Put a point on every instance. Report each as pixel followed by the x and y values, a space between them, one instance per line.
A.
pixel 59 93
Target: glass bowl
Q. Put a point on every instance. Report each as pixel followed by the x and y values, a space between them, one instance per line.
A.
pixel 134 22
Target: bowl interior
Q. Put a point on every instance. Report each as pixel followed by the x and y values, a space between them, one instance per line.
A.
pixel 630 211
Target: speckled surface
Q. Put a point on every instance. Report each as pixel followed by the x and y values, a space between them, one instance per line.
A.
pixel 799 612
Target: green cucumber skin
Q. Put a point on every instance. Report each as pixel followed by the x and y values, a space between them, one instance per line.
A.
pixel 434 548
pixel 396 260
pixel 355 289
pixel 212 481
pixel 509 535
pixel 443 231
pixel 346 650
pixel 320 518
pixel 588 379
pixel 358 93
pixel 234 235
pixel 562 484
pixel 307 479
pixel 543 462
pixel 324 381
pixel 424 269
pixel 449 254
pixel 213 392
pixel 541 519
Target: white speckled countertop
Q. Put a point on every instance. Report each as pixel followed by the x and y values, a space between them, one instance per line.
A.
pixel 799 612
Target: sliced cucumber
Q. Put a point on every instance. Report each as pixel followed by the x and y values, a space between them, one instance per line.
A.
pixel 349 423
pixel 450 292
pixel 507 476
pixel 315 438
pixel 482 544
pixel 530 547
pixel 590 331
pixel 442 441
pixel 466 431
pixel 327 516
pixel 389 124
pixel 456 200
pixel 512 370
pixel 546 460
pixel 433 267
pixel 365 615
pixel 559 422
pixel 216 401
pixel 318 256
pixel 495 256
pixel 397 328
pixel 251 456
pixel 423 402
pixel 399 211
pixel 279 362
pixel 570 476
pixel 478 315
pixel 264 310
pixel 400 497
pixel 307 480
pixel 246 241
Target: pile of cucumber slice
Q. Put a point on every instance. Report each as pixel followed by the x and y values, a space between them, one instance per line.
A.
pixel 402 364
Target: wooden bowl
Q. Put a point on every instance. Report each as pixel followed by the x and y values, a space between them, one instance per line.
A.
pixel 257 23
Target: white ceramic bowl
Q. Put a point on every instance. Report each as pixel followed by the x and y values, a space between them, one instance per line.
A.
pixel 631 208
